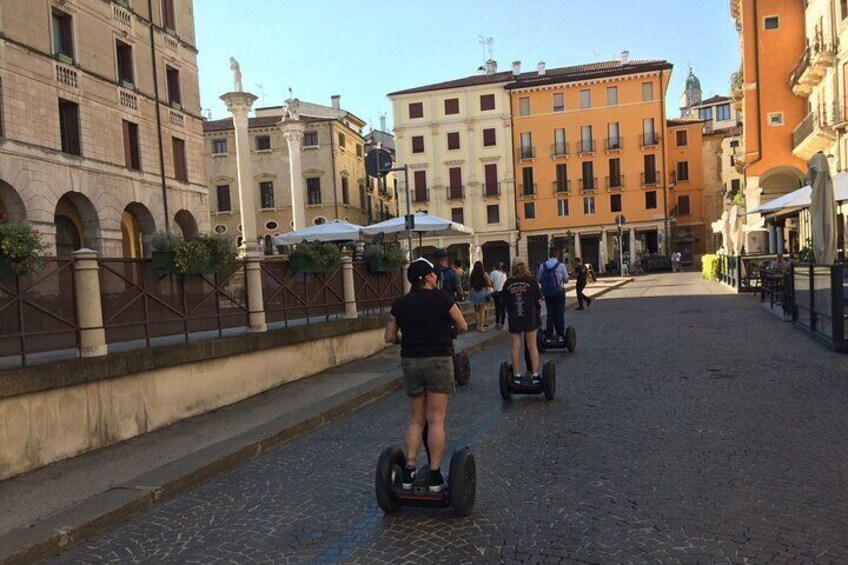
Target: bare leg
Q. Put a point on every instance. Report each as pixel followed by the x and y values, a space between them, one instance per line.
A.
pixel 516 353
pixel 417 417
pixel 437 406
pixel 530 338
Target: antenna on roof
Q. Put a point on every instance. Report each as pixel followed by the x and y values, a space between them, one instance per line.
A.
pixel 261 93
pixel 487 43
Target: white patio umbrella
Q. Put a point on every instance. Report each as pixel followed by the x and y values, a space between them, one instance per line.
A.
pixel 602 254
pixel 822 210
pixel 425 225
pixel 336 230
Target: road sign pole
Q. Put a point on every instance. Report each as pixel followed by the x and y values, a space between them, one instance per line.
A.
pixel 408 209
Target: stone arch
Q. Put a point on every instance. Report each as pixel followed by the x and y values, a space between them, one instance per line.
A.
pixel 778 181
pixel 187 223
pixel 77 225
pixel 12 206
pixel 137 227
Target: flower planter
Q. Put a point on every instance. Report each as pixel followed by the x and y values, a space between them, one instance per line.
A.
pixel 6 269
pixel 381 265
pixel 302 264
pixel 164 264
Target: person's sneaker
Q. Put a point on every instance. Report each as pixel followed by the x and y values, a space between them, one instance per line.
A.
pixel 408 478
pixel 437 481
pixel 536 378
pixel 516 378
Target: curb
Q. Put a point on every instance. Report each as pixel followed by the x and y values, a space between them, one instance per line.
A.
pixel 71 525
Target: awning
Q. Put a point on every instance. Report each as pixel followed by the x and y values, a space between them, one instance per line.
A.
pixel 799 199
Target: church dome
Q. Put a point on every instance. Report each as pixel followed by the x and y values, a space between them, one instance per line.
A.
pixel 692 82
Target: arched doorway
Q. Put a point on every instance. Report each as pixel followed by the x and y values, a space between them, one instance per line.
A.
pixel 187 224
pixel 137 226
pixel 11 204
pixel 495 252
pixel 77 225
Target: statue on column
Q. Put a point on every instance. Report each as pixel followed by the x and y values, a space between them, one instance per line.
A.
pixel 234 66
pixel 292 109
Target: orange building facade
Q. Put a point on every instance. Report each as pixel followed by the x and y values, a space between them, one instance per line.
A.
pixel 772 36
pixel 691 233
pixel 589 146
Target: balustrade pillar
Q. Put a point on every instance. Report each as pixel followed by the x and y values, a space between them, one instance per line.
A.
pixel 255 300
pixel 349 286
pixel 88 306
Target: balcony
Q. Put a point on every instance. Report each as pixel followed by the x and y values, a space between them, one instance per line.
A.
pixel 651 178
pixel 650 139
pixel 815 133
pixel 615 183
pixel 559 150
pixel 526 152
pixel 588 184
pixel 421 195
pixel 585 146
pixel 562 186
pixel 813 64
pixel 491 189
pixel 527 190
pixel 839 117
pixel 456 192
pixel 613 144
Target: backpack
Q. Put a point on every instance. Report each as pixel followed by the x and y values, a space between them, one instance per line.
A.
pixel 550 288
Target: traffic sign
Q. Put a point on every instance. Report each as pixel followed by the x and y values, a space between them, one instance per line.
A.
pixel 619 220
pixel 378 163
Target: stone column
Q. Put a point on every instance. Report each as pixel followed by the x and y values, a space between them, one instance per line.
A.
pixel 349 285
pixel 632 245
pixel 239 105
pixel 89 310
pixel 293 132
pixel 772 238
pixel 781 241
pixel 255 299
pixel 578 252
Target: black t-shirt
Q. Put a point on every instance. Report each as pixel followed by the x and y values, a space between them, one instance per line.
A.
pixel 425 322
pixel 521 299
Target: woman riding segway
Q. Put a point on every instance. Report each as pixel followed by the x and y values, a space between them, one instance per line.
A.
pixel 521 297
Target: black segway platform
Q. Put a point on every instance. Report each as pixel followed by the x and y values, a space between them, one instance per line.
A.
pixel 525 384
pixel 460 493
pixel 545 341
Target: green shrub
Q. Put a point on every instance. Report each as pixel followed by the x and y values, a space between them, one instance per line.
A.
pixel 165 241
pixel 323 254
pixel 191 256
pixel 222 252
pixel 392 256
pixel 709 267
pixel 21 246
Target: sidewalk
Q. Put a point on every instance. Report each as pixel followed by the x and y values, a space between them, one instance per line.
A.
pixel 53 507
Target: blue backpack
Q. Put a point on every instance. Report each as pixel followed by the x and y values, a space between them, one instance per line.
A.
pixel 550 288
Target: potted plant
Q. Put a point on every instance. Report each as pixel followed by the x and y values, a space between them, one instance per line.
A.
pixel 222 252
pixel 384 258
pixel 164 244
pixel 191 257
pixel 314 257
pixel 21 248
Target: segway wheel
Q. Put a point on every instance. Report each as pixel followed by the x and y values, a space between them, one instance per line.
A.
pixel 549 380
pixel 570 338
pixel 503 379
pixel 461 368
pixel 389 469
pixel 462 481
pixel 540 341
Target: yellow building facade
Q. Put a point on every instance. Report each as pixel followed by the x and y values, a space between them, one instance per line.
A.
pixel 589 146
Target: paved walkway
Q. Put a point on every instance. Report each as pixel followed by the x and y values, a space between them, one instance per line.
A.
pixel 67 501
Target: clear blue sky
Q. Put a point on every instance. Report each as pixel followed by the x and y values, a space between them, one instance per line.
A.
pixel 364 50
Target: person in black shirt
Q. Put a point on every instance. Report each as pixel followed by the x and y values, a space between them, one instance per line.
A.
pixel 522 297
pixel 583 272
pixel 425 318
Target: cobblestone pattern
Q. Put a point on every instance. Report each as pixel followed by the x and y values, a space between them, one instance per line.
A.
pixel 690 426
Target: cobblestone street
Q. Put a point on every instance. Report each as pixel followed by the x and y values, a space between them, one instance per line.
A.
pixel 690 426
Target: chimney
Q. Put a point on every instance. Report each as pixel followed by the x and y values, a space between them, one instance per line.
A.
pixel 335 100
pixel 541 67
pixel 516 68
pixel 382 123
pixel 625 57
pixel 491 67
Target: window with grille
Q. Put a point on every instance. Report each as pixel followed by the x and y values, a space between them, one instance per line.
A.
pixel 310 139
pixel 266 194
pixel 313 191
pixel 219 146
pixel 223 192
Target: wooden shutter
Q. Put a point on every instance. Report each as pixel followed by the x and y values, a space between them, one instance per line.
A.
pixel 491 171
pixel 489 137
pixel 180 166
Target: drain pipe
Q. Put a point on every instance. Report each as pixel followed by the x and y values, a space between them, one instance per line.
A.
pixel 158 119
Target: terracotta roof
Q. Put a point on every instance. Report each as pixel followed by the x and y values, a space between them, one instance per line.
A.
pixel 714 100
pixel 683 122
pixel 263 122
pixel 726 132
pixel 551 76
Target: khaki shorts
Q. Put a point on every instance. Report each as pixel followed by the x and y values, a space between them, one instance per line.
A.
pixel 427 374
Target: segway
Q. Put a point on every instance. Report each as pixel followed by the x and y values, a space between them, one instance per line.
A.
pixel 545 341
pixel 460 493
pixel 526 384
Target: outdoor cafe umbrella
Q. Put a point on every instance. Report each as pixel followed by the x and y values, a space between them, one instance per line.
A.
pixel 336 230
pixel 425 224
pixel 822 210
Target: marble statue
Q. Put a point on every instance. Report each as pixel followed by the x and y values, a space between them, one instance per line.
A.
pixel 292 110
pixel 234 66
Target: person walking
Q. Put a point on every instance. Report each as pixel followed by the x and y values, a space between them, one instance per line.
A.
pixel 446 276
pixel 521 296
pixel 552 277
pixel 498 278
pixel 424 317
pixel 582 272
pixel 480 285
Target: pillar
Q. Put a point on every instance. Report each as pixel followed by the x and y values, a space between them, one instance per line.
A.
pixel 781 241
pixel 578 252
pixel 632 245
pixel 239 105
pixel 772 238
pixel 349 285
pixel 293 132
pixel 255 298
pixel 89 310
